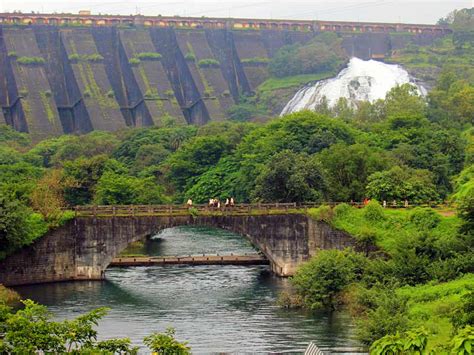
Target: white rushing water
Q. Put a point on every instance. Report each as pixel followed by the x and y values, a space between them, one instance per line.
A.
pixel 361 80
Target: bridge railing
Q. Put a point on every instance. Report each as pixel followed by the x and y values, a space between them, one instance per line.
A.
pixel 136 210
pixel 238 209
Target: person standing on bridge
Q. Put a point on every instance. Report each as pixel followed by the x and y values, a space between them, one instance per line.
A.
pixel 232 202
pixel 189 203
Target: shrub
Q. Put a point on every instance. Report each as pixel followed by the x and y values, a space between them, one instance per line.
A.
pixel 110 94
pixel 386 314
pixel 373 212
pixel 190 57
pixel 93 58
pixel 255 60
pixel 85 57
pixel 320 280
pixel 8 296
pixel 226 93
pixel 134 61
pixel 463 342
pixel 209 63
pixel 149 56
pixel 87 93
pixel 366 240
pixel 193 211
pixel 323 213
pixel 412 342
pixel 451 268
pixel 152 94
pixel 74 57
pixel 342 209
pixel 464 313
pixel 30 60
pixel 23 92
pixel 12 54
pixel 242 112
pixel 165 343
pixel 425 218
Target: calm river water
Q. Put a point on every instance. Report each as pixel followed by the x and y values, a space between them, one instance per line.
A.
pixel 215 308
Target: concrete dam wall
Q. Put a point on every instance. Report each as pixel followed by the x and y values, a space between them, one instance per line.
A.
pixel 56 79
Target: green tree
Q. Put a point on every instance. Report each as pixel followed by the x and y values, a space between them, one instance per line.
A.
pixel 348 167
pixel 193 159
pixel 18 225
pixel 84 173
pixel 290 177
pixel 323 53
pixel 149 155
pixel 132 140
pixel 166 344
pixel 33 330
pixel 404 100
pixel 465 198
pixel 400 183
pixel 218 182
pixel 89 145
pixel 119 189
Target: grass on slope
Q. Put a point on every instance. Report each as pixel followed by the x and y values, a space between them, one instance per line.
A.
pixel 441 53
pixel 392 229
pixel 292 81
pixel 431 306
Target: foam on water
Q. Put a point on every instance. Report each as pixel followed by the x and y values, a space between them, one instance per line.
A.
pixel 361 80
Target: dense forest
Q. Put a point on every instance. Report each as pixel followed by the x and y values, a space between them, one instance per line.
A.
pixel 406 147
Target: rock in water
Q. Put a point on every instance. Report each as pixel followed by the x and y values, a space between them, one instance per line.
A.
pixel 362 80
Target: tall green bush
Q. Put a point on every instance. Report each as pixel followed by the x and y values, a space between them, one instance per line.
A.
pixel 320 280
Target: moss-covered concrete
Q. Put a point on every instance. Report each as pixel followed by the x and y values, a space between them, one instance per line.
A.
pixel 84 247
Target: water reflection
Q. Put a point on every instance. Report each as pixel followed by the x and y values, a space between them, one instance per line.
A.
pixel 216 308
pixel 193 241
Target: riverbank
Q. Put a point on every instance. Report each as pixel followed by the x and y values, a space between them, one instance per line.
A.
pixel 413 282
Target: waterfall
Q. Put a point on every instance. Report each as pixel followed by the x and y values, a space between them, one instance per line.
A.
pixel 361 80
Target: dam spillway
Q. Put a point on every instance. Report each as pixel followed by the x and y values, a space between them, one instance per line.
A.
pixel 57 79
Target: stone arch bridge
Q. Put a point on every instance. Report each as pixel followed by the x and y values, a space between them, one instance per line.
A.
pixel 84 247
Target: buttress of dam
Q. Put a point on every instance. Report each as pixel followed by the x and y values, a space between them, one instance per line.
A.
pixel 66 79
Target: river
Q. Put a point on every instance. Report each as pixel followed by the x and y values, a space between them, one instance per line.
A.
pixel 214 308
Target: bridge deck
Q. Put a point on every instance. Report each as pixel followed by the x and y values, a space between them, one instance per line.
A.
pixel 205 210
pixel 250 259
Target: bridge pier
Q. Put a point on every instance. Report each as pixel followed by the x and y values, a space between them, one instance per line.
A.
pixel 84 247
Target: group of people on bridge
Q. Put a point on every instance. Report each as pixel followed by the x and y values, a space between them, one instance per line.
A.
pixel 215 203
pixel 384 203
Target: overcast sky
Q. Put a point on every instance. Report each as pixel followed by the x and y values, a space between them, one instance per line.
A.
pixel 420 11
